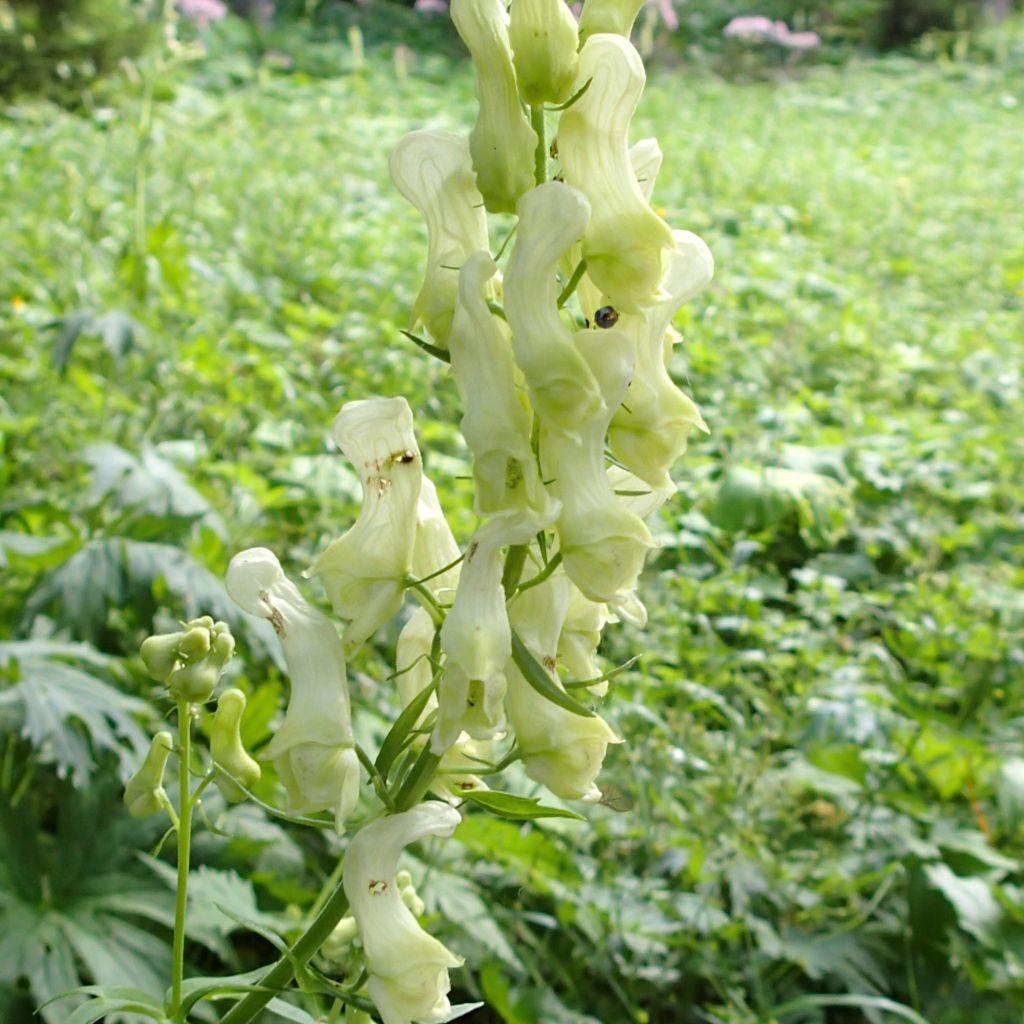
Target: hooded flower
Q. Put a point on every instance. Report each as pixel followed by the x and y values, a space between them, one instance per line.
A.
pixel 313 750
pixel 497 423
pixel 502 142
pixel 433 170
pixel 649 431
pixel 580 637
pixel 475 638
pixel 563 389
pixel 365 571
pixel 560 750
pixel 625 242
pixel 408 968
pixel 603 544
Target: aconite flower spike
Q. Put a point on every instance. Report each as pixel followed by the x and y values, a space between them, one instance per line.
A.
pixel 144 791
pixel 603 544
pixel 625 242
pixel 608 16
pixel 407 967
pixel 475 639
pixel 238 768
pixel 313 750
pixel 496 423
pixel 561 750
pixel 365 571
pixel 562 388
pixel 544 42
pixel 502 143
pixel 650 430
pixel 434 171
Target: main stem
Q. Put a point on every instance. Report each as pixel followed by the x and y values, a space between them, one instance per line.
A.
pixel 540 158
pixel 184 853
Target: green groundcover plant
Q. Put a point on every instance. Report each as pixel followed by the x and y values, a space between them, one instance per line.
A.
pixel 573 422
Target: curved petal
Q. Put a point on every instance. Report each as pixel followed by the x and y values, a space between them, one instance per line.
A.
pixel 365 570
pixel 408 967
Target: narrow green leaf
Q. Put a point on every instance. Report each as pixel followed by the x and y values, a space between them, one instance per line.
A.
pixel 398 736
pixel 861 1002
pixel 534 674
pixel 517 808
pixel 437 353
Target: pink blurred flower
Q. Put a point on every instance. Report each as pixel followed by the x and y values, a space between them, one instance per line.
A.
pixel 430 7
pixel 202 12
pixel 752 27
pixel 755 28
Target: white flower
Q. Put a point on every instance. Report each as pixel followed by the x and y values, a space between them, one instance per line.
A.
pixel 433 170
pixel 435 546
pixel 603 544
pixel 649 431
pixel 625 241
pixel 560 750
pixel 497 421
pixel 502 141
pixel 562 388
pixel 365 571
pixel 408 968
pixel 313 750
pixel 476 639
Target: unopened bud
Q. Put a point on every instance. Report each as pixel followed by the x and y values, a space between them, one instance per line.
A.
pixel 144 791
pixel 239 768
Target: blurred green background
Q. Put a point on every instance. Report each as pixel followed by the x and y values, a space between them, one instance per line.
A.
pixel 819 813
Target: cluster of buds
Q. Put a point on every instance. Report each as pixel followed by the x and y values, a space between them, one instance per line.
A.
pixel 557 358
pixel 190 662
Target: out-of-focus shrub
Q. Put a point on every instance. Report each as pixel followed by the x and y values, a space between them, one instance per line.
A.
pixel 58 46
pixel 880 24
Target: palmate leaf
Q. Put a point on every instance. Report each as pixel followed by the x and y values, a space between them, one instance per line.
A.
pixel 67 713
pixel 115 572
pixel 148 483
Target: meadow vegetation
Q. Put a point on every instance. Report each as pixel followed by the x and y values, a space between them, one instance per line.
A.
pixel 819 814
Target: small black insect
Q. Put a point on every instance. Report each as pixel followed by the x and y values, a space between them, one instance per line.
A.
pixel 606 316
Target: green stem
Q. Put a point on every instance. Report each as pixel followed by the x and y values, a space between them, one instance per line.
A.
pixel 274 981
pixel 540 158
pixel 570 286
pixel 184 852
pixel 416 783
pixel 515 559
pixel 553 563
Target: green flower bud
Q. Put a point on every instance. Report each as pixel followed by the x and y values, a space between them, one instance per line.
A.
pixel 408 967
pixel 502 142
pixel 562 388
pixel 650 429
pixel 365 571
pixel 603 544
pixel 160 655
pixel 560 750
pixel 337 945
pixel 314 749
pixel 625 241
pixel 239 769
pixel 615 16
pixel 196 681
pixel 496 423
pixel 144 792
pixel 544 42
pixel 433 170
pixel 195 642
